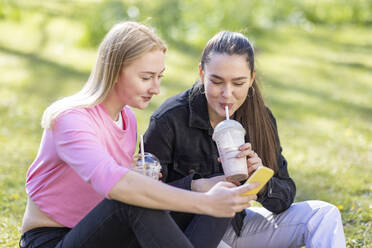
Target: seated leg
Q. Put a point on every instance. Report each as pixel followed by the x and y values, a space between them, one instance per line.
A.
pixel 310 223
pixel 116 224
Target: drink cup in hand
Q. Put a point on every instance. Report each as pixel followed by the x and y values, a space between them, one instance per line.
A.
pixel 150 168
pixel 229 136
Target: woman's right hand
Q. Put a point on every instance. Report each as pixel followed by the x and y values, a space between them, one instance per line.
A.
pixel 225 199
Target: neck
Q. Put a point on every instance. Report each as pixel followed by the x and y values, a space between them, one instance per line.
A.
pixel 112 109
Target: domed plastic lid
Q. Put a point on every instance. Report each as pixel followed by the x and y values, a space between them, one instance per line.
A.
pixel 228 124
pixel 149 159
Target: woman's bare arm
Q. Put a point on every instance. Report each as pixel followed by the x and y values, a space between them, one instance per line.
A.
pixel 222 200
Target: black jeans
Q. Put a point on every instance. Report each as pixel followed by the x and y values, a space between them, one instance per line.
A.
pixel 116 224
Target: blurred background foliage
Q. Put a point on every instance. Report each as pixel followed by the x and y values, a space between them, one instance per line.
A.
pixel 313 59
pixel 191 21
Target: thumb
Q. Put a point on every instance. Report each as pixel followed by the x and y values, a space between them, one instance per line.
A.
pixel 247 187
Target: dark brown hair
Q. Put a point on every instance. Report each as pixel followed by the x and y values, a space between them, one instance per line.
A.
pixel 252 114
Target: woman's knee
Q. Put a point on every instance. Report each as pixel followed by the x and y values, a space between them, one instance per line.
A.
pixel 315 205
pixel 309 212
pixel 324 212
pixel 324 206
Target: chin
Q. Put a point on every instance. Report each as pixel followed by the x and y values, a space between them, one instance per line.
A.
pixel 223 114
pixel 141 105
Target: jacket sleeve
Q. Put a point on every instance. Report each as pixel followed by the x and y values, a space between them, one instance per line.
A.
pixel 158 140
pixel 281 189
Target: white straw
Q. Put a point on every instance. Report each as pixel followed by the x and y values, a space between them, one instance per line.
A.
pixel 227 112
pixel 143 153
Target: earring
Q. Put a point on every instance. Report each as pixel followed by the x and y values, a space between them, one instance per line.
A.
pixel 253 92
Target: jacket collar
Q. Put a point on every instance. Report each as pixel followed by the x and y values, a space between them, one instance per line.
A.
pixel 198 108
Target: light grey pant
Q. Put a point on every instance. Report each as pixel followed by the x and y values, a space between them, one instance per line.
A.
pixel 310 223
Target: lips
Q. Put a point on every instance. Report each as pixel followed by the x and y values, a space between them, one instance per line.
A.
pixel 146 98
pixel 229 105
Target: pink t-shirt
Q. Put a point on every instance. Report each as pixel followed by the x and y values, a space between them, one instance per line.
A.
pixel 79 161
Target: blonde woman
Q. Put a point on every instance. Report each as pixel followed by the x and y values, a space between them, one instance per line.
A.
pixel 81 192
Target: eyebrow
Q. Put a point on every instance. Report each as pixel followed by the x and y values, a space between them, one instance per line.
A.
pixel 234 79
pixel 151 72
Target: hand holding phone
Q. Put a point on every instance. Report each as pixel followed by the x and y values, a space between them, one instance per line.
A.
pixel 261 175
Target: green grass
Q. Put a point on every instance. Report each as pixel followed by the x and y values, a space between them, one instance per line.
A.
pixel 317 81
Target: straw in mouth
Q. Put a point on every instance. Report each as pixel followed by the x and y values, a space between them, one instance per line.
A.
pixel 227 112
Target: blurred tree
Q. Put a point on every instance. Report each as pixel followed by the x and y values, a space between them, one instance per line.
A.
pixel 192 22
pixel 102 17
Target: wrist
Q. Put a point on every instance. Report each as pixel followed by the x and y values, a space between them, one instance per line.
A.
pixel 202 203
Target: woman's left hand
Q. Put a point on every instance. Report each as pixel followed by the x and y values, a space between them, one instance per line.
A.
pixel 253 163
pixel 253 160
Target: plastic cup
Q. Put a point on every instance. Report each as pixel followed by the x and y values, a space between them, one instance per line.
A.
pixel 229 136
pixel 150 168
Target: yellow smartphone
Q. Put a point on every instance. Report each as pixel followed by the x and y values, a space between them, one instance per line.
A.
pixel 261 175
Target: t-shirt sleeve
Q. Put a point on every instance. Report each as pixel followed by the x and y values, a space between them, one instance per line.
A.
pixel 78 145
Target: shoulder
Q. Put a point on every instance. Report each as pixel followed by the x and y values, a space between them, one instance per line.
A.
pixel 79 113
pixel 75 117
pixel 176 104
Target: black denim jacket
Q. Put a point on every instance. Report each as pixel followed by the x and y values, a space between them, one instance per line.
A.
pixel 180 135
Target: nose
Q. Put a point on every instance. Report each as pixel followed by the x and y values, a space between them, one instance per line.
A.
pixel 155 86
pixel 227 91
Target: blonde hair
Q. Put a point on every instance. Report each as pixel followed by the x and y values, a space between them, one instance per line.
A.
pixel 123 44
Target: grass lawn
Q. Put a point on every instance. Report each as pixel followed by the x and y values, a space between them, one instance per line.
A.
pixel 317 81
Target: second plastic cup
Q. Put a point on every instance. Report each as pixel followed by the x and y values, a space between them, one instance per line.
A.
pixel 229 136
pixel 150 168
